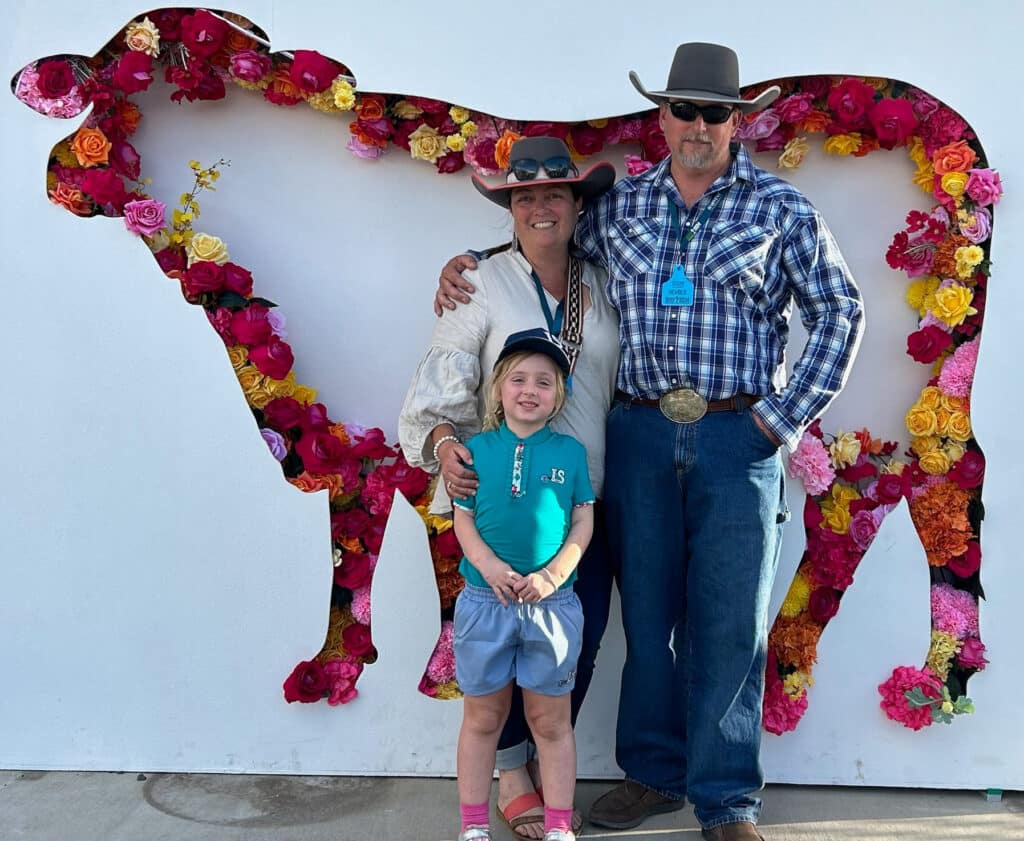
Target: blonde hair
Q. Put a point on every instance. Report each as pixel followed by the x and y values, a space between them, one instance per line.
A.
pixel 494 413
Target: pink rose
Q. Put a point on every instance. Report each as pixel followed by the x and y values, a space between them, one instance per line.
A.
pixel 792 109
pixel 168 21
pixel 124 159
pixel 452 162
pixel 894 122
pixel 133 73
pixel 924 104
pixel 823 604
pixel 364 150
pixel 313 72
pixel 850 100
pixel 928 344
pixel 145 216
pixel 202 276
pixel 238 279
pixel 635 165
pixel 775 141
pixel 203 33
pixel 863 528
pixel 320 452
pixel 984 186
pixel 888 490
pixel 55 78
pixel 274 358
pixel 249 65
pixel 972 654
pixel 356 639
pixel 354 571
pixel 250 325
pixel 430 106
pixel 969 470
pixel 653 146
pixel 759 126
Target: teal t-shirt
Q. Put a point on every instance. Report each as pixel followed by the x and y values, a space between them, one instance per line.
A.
pixel 523 505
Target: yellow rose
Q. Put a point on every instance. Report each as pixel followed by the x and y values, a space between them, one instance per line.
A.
pixel 344 95
pixel 844 495
pixel 259 398
pixel 925 444
pixel 953 403
pixel 468 128
pixel 304 394
pixel 954 451
pixel 954 183
pixel 143 37
pixel 844 449
pixel 894 467
pixel 931 397
pixel 935 462
pixel 794 152
pixel 281 388
pixel 458 114
pixel 843 144
pixel 249 378
pixel 455 142
pixel 921 421
pixel 238 355
pixel 426 144
pixel 838 520
pixel 917 152
pixel 405 110
pixel 953 304
pixel 941 422
pixel 209 248
pixel 959 427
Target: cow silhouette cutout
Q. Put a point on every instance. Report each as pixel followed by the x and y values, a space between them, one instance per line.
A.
pixel 853 480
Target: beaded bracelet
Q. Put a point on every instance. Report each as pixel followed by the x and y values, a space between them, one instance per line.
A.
pixel 441 440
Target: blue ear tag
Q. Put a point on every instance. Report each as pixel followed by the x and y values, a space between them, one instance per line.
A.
pixel 677 291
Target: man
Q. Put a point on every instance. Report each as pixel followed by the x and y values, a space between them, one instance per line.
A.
pixel 706 254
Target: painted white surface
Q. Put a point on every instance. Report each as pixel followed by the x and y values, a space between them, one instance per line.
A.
pixel 159 577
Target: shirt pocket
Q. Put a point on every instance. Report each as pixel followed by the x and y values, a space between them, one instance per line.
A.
pixel 632 247
pixel 738 257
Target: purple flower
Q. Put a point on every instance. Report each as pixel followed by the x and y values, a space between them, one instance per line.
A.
pixel 364 150
pixel 275 441
pixel 760 127
pixel 249 66
pixel 978 226
pixel 276 320
pixel 145 216
pixel 984 186
pixel 863 527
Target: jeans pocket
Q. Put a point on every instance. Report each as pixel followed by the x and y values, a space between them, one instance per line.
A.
pixel 761 442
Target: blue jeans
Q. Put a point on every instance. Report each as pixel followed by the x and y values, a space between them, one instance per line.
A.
pixel 695 513
pixel 597 569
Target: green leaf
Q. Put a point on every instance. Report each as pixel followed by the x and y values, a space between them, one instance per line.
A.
pixel 231 300
pixel 263 301
pixel 916 698
pixel 963 705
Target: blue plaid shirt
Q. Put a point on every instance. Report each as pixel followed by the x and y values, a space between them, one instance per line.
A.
pixel 762 247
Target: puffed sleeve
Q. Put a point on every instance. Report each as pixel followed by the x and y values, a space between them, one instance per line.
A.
pixel 444 388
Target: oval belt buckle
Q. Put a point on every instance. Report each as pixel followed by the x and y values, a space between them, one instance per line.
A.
pixel 684 405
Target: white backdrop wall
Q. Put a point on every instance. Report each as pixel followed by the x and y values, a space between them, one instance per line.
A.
pixel 159 578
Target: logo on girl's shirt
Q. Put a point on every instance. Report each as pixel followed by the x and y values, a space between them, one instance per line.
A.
pixel 556 476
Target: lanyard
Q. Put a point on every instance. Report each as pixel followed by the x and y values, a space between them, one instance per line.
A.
pixel 554 323
pixel 691 230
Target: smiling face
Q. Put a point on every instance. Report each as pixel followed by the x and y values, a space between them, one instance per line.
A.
pixel 696 146
pixel 544 216
pixel 530 392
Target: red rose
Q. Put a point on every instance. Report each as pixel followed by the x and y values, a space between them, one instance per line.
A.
pixel 452 162
pixel 816 86
pixel 812 515
pixel 313 72
pixel 105 187
pixel 653 144
pixel 349 524
pixel 371 444
pixel 860 469
pixel 251 326
pixel 850 100
pixel 374 534
pixel 969 471
pixel 586 140
pixel 168 21
pixel 889 488
pixel 968 563
pixel 376 130
pixel 316 417
pixel 202 276
pixel 928 344
pixel 170 259
pixel 284 413
pixel 320 452
pixel 237 279
pixel 894 122
pixel 430 106
pixel 559 130
pixel 823 604
pixel 203 33
pixel 307 683
pixel 124 159
pixel 354 571
pixel 55 78
pixel 356 639
pixel 133 73
pixel 273 359
pixel 402 131
pixel 448 544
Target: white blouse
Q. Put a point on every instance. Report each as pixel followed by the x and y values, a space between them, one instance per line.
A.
pixel 448 385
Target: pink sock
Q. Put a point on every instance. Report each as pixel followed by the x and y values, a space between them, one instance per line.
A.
pixel 557 819
pixel 474 815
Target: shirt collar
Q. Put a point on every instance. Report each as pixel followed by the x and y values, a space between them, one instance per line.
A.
pixel 741 169
pixel 538 437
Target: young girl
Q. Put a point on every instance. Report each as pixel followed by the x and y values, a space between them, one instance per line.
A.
pixel 518 619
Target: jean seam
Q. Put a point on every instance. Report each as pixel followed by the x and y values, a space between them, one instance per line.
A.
pixel 724 820
pixel 671 795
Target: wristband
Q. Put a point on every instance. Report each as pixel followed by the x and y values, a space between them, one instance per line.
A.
pixel 441 440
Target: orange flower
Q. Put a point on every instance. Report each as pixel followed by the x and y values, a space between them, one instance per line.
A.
pixel 944 264
pixel 71 198
pixel 867 144
pixel 370 140
pixel 282 90
pixel 371 106
pixel 129 115
pixel 816 121
pixel 940 517
pixel 236 41
pixel 954 157
pixel 338 431
pixel 503 147
pixel 307 483
pixel 91 147
pixel 870 445
pixel 795 641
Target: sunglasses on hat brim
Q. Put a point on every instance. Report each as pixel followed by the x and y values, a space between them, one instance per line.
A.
pixel 713 115
pixel 526 169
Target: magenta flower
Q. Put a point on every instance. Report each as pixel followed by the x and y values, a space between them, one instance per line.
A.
pixel 810 463
pixel 145 216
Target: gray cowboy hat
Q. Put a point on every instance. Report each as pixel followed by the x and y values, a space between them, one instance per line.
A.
pixel 587 185
pixel 706 73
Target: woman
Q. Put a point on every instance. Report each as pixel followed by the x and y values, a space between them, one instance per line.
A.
pixel 535 282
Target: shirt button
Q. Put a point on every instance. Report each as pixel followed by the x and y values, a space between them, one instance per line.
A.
pixel 671 348
pixel 673 315
pixel 674 380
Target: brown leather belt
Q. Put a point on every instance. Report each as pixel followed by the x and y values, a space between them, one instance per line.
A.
pixel 736 403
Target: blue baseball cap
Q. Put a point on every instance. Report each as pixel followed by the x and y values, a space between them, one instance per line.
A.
pixel 536 340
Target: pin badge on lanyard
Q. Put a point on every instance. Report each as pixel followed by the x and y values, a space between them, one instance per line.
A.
pixel 678 290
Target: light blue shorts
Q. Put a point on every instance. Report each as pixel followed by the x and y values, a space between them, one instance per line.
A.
pixel 535 644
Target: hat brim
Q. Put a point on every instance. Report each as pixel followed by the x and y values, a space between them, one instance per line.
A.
pixel 747 106
pixel 593 182
pixel 537 345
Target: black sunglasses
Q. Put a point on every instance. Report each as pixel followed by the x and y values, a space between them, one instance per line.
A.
pixel 713 115
pixel 526 169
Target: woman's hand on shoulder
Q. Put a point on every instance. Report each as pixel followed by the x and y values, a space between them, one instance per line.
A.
pixel 459 478
pixel 452 287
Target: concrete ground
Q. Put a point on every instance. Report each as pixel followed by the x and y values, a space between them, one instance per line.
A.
pixel 79 806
